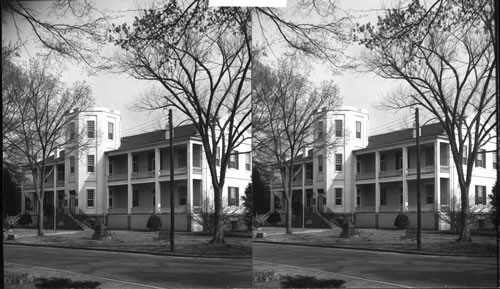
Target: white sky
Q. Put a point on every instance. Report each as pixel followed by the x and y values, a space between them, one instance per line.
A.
pixel 119 91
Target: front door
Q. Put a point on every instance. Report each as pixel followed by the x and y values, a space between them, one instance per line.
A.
pixel 72 201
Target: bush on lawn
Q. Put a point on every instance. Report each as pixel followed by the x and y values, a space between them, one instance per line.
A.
pixel 25 220
pixel 154 223
pixel 402 221
pixel 17 278
pixel 310 282
pixel 274 218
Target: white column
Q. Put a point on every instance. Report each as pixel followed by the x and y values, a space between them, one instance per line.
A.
pixel 129 183
pixel 437 175
pixel 405 181
pixel 106 187
pixel 189 179
pixel 377 185
pixel 157 181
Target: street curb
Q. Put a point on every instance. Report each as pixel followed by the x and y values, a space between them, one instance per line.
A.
pixel 375 250
pixel 172 254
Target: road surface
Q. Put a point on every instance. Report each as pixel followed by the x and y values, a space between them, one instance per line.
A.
pixel 157 271
pixel 398 270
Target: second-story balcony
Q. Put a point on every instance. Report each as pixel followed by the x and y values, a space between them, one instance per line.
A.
pixel 177 171
pixel 60 183
pixel 424 170
pixel 390 174
pixel 117 177
pixel 365 176
pixel 143 175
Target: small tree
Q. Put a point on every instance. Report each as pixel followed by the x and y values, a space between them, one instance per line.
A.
pixel 154 223
pixel 494 205
pixel 248 205
pixel 205 215
pixel 454 216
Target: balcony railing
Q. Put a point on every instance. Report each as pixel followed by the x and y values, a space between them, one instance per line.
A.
pixel 425 170
pixel 365 176
pixel 177 171
pixel 389 174
pixel 140 210
pixel 444 169
pixel 196 171
pixel 60 183
pixel 117 211
pixel 143 175
pixel 117 177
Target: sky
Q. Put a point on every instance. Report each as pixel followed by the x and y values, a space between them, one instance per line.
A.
pixel 119 91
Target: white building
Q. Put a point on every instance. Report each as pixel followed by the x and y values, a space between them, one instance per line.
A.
pixel 127 179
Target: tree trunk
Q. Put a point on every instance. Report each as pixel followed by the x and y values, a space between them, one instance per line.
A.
pixel 40 215
pixel 219 220
pixel 289 215
pixel 465 236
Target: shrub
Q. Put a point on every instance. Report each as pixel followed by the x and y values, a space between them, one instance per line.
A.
pixel 274 218
pixel 402 221
pixel 310 282
pixel 25 220
pixel 17 278
pixel 154 223
pixel 266 276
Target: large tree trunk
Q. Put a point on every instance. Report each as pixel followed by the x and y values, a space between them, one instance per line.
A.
pixel 219 220
pixel 39 201
pixel 465 236
pixel 289 215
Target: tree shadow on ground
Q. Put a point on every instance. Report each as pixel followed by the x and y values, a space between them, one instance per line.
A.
pixel 65 283
pixel 310 282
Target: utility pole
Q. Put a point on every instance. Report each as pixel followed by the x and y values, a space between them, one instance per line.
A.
pixel 172 207
pixel 419 212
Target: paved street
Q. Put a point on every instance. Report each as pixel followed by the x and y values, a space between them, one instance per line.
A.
pixel 398 270
pixel 159 271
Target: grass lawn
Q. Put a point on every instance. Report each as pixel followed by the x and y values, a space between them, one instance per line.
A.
pixel 186 243
pixel 431 242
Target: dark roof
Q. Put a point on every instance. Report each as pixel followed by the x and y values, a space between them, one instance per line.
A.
pixel 434 129
pixel 180 132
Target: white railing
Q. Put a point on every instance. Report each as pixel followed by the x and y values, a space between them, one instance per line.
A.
pixel 60 183
pixel 117 211
pixel 388 174
pixel 196 171
pixel 424 170
pixel 139 210
pixel 117 177
pixel 143 175
pixel 177 171
pixel 365 176
pixel 444 169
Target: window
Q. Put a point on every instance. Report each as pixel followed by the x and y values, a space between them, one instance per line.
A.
pixel 358 198
pixel 464 155
pixel 72 130
pixel 110 130
pixel 382 162
pixel 233 160
pixel 110 167
pixel 60 173
pixel 429 193
pixel 90 129
pixel 247 162
pixel 338 196
pixel 320 163
pixel 320 130
pixel 217 157
pixel 338 162
pixel 151 161
pixel 399 160
pixel 182 157
pixel 383 197
pixel 135 164
pixel 429 157
pixel 233 198
pixel 135 198
pixel 90 198
pixel 480 195
pixel 110 199
pixel 338 127
pixel 197 156
pixel 494 159
pixel 358 129
pixel 71 165
pixel 182 196
pixel 481 159
pixel 90 163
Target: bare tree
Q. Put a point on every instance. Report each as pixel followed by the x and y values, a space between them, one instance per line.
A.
pixel 201 59
pixel 287 110
pixel 42 106
pixel 444 55
pixel 75 30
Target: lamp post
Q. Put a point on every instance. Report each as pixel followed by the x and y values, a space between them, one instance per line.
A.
pixel 172 207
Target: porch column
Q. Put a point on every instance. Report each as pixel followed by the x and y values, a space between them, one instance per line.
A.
pixel 377 184
pixel 106 187
pixel 405 181
pixel 129 183
pixel 437 175
pixel 157 181
pixel 189 180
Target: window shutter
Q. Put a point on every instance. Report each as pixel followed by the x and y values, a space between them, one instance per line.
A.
pixel 237 196
pixel 477 195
